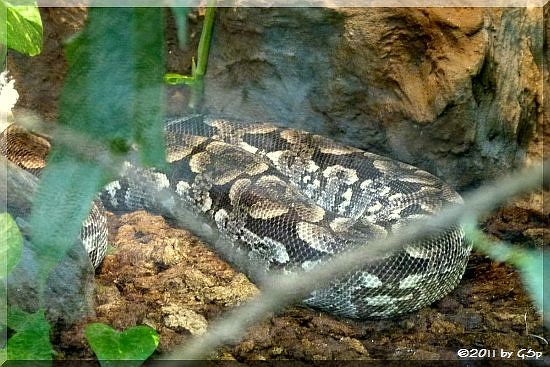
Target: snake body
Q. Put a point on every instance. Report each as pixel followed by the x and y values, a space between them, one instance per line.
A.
pixel 286 200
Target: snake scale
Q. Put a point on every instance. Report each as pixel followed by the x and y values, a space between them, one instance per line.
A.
pixel 287 200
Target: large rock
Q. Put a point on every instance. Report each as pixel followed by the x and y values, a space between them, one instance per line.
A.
pixel 68 295
pixel 455 91
pixel 69 292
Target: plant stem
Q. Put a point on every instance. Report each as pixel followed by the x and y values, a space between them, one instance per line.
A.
pixel 206 36
pixel 197 87
pixel 198 69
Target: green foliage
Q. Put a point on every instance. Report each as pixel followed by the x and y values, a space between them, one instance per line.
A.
pixel 11 244
pixel 198 70
pixel 31 340
pixel 532 265
pixel 113 91
pixel 134 345
pixel 62 202
pixel 534 268
pixel 23 31
pixel 113 94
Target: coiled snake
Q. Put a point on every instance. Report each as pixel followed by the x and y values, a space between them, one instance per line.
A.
pixel 287 199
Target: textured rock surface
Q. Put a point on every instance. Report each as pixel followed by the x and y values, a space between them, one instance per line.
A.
pixel 455 91
pixel 69 289
pixel 163 277
pixel 69 293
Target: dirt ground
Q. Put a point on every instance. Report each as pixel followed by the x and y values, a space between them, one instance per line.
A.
pixel 161 276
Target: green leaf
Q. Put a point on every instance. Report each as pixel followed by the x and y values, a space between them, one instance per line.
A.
pixel 3 308
pixel 176 79
pixel 113 94
pixel 32 338
pixel 135 344
pixel 148 107
pixel 3 356
pixel 71 45
pixel 11 244
pixel 23 30
pixel 534 268
pixel 67 187
pixel 114 88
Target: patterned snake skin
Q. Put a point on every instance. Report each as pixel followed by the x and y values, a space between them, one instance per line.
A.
pixel 29 151
pixel 286 200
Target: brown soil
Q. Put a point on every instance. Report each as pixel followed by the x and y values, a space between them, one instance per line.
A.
pixel 163 277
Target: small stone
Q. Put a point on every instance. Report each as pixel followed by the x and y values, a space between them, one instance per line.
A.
pixel 275 351
pixel 182 318
pixel 246 347
pixel 355 344
pixel 442 326
pixel 448 305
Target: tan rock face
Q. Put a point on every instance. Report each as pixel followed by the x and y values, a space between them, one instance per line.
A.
pixel 455 91
pixel 427 55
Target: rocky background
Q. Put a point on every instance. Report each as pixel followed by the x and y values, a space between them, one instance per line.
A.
pixel 457 92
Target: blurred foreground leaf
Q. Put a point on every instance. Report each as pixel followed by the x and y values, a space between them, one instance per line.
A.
pixel 134 345
pixel 11 244
pixel 23 31
pixel 113 94
pixel 31 340
pixel 535 273
pixel 533 266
